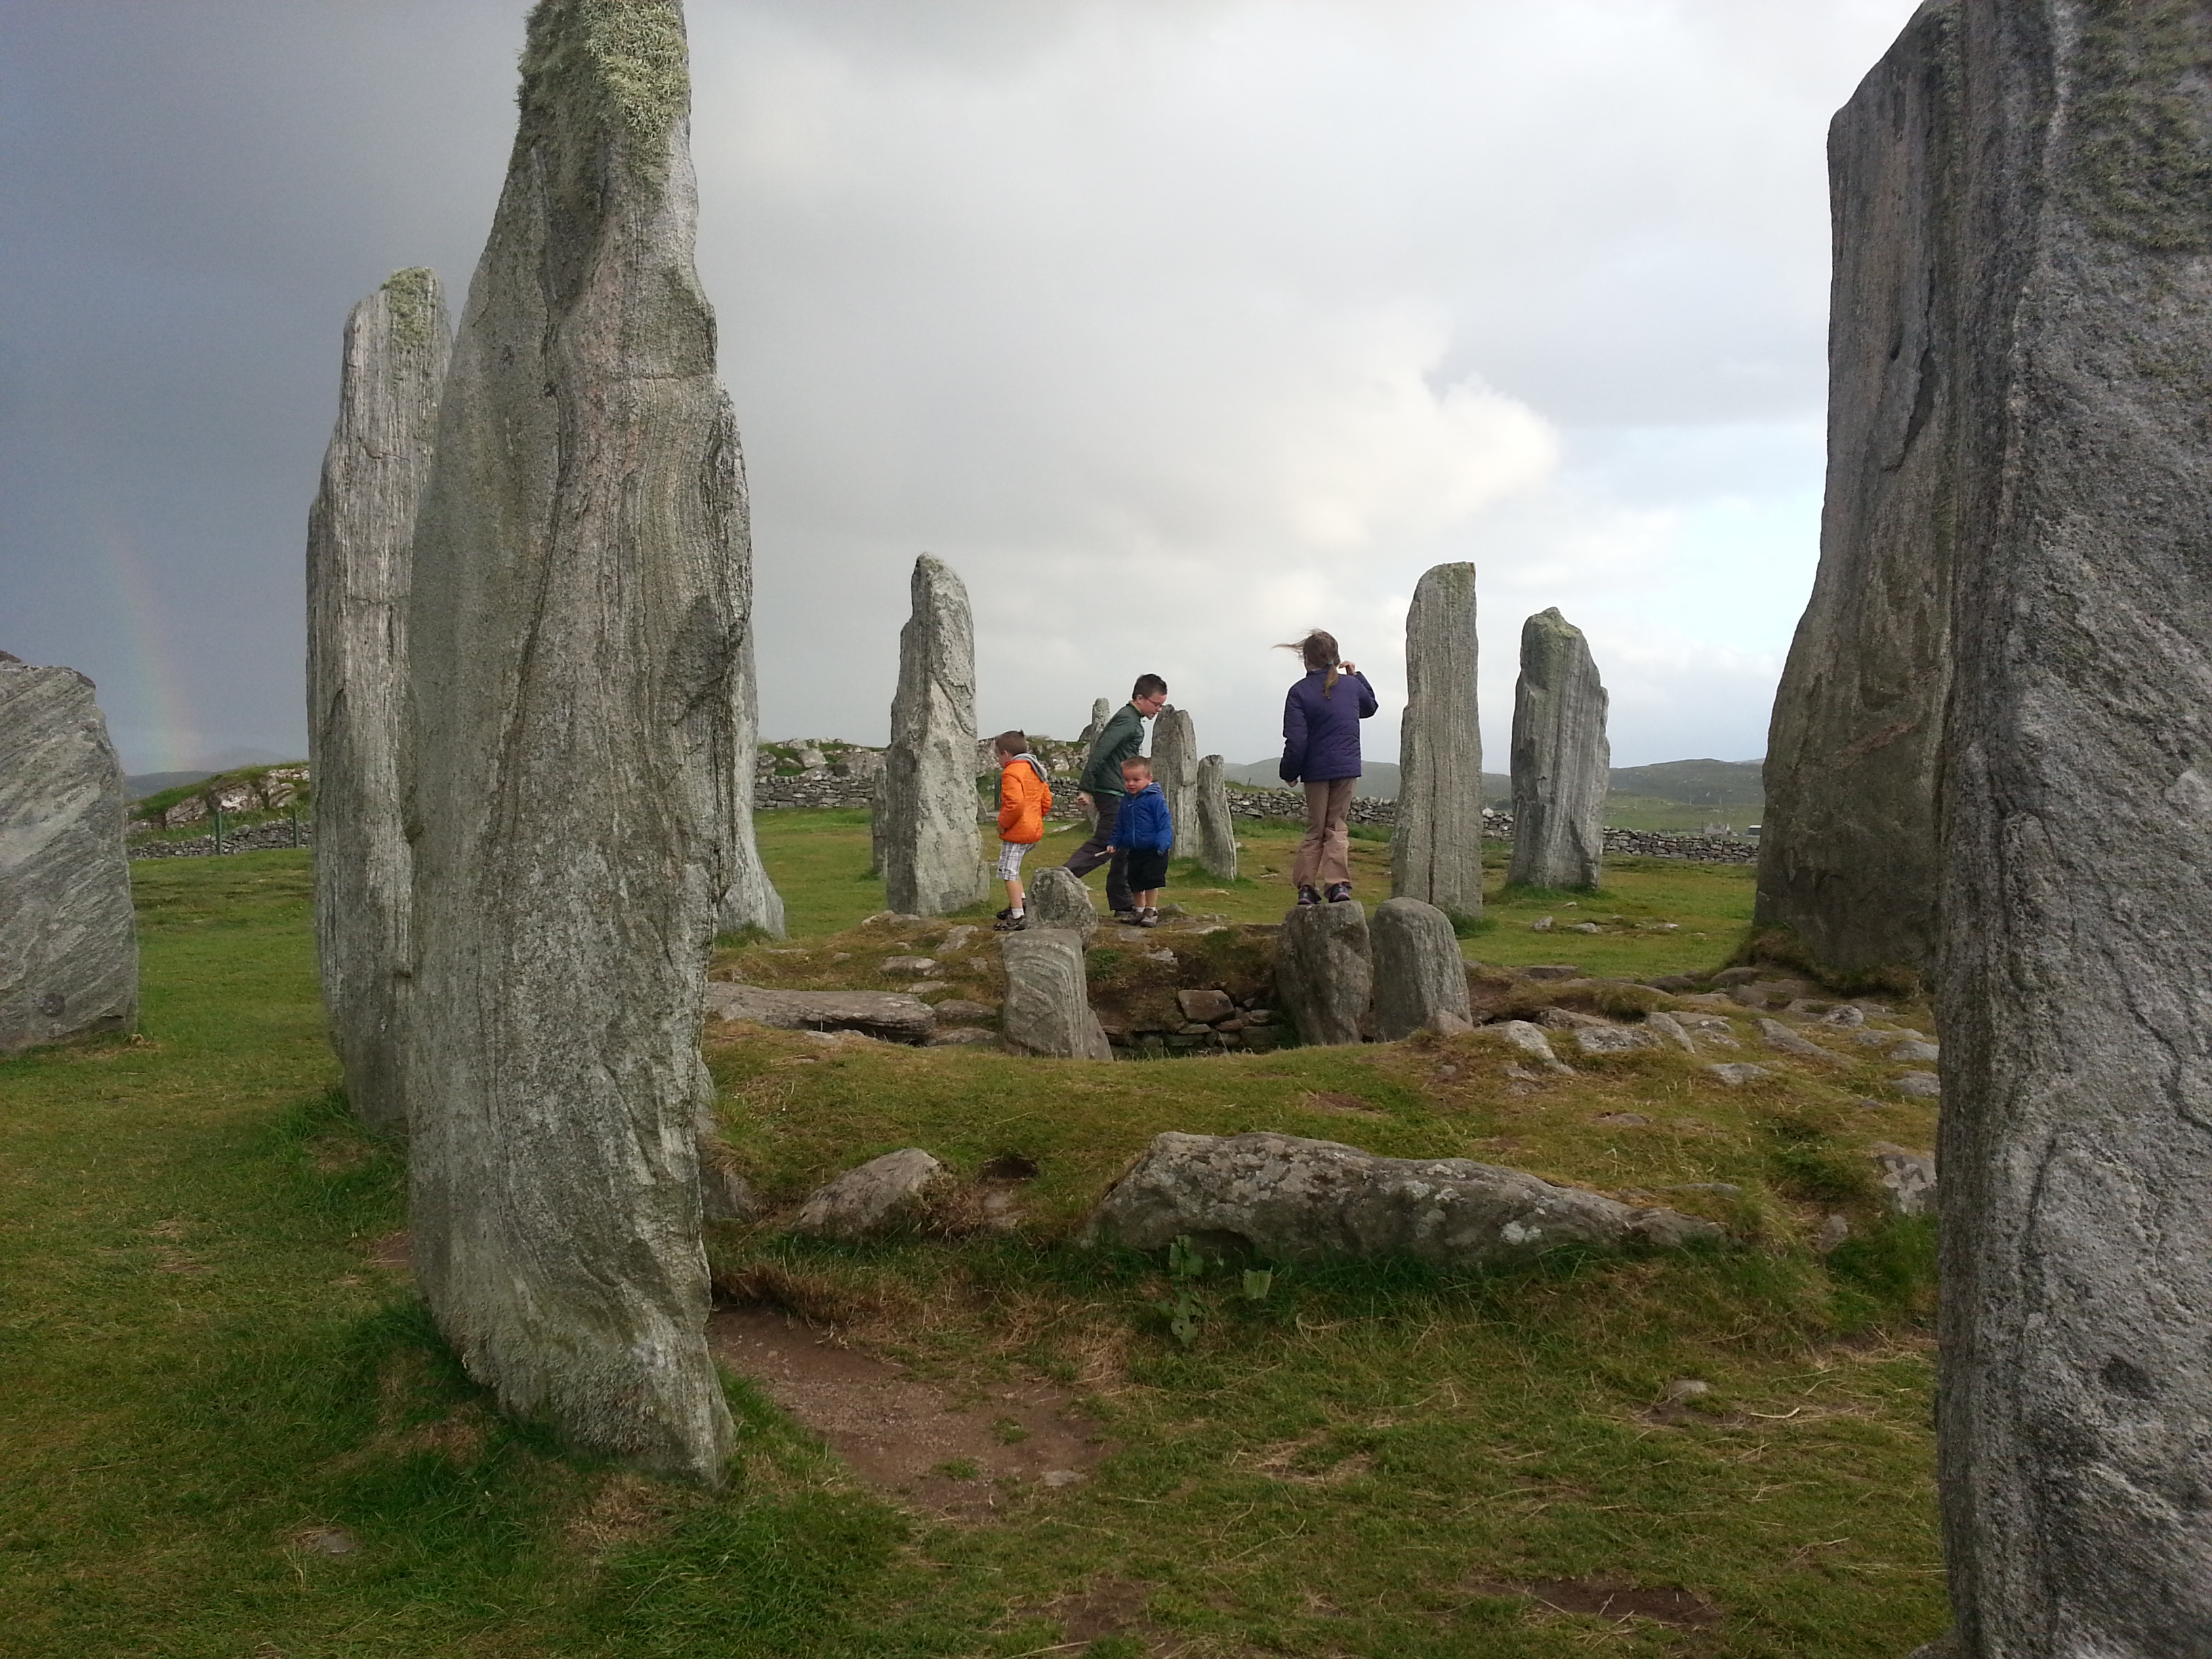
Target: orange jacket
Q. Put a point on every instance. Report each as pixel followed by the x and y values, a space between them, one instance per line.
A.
pixel 1024 798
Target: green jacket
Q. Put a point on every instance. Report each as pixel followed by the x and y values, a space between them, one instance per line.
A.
pixel 1123 737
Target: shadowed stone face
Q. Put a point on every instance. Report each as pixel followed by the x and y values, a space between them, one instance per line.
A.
pixel 69 942
pixel 1435 849
pixel 576 628
pixel 2075 989
pixel 1562 764
pixel 1847 848
pixel 360 538
pixel 1174 768
pixel 930 856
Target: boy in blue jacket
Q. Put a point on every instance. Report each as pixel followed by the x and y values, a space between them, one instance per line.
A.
pixel 1144 831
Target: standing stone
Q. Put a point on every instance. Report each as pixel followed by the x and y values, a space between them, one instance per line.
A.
pixel 1562 764
pixel 1101 710
pixel 1435 849
pixel 931 860
pixel 1056 897
pixel 753 900
pixel 69 944
pixel 1847 857
pixel 575 628
pixel 360 546
pixel 1217 828
pixel 1324 971
pixel 1419 971
pixel 1174 768
pixel 2075 991
pixel 1046 1011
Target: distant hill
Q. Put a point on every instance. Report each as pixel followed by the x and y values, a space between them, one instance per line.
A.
pixel 1379 779
pixel 142 784
pixel 1733 784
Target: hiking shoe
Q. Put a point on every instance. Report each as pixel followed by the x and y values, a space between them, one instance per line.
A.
pixel 1308 895
pixel 1006 914
pixel 1340 893
pixel 1148 919
pixel 1010 924
pixel 1130 918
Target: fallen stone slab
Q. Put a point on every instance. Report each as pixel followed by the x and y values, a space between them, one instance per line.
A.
pixel 1614 1039
pixel 1293 1199
pixel 954 1037
pixel 893 1016
pixel 1673 1030
pixel 1204 1006
pixel 1736 1073
pixel 1922 1085
pixel 1530 1041
pixel 960 1010
pixel 1906 1052
pixel 1907 1177
pixel 1780 1038
pixel 881 1194
pixel 1543 970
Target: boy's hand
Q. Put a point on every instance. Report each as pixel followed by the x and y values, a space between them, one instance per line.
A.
pixel 1082 798
pixel 1113 849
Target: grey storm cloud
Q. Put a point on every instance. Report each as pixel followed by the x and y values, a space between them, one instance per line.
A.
pixel 1176 325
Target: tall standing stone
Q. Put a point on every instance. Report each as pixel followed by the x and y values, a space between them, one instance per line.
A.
pixel 575 628
pixel 2075 992
pixel 1101 710
pixel 1847 857
pixel 1435 849
pixel 361 546
pixel 1217 826
pixel 753 900
pixel 931 854
pixel 69 942
pixel 1174 768
pixel 1562 764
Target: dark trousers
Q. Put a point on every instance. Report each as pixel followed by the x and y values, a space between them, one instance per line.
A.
pixel 1092 854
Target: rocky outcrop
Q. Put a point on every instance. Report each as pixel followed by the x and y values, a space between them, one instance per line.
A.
pixel 1174 768
pixel 1325 971
pixel 929 850
pixel 1420 978
pixel 68 941
pixel 361 541
pixel 574 630
pixel 1216 846
pixel 1046 1011
pixel 891 1016
pixel 1435 849
pixel 1847 846
pixel 1056 898
pixel 2073 992
pixel 1291 1200
pixel 1562 763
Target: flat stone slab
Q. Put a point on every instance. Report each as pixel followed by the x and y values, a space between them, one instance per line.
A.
pixel 1293 1199
pixel 891 1015
pixel 880 1193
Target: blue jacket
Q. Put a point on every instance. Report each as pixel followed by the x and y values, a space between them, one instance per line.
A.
pixel 1321 734
pixel 1143 823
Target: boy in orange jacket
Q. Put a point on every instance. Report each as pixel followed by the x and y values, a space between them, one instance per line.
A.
pixel 1024 798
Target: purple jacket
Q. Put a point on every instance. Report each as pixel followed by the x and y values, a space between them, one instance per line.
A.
pixel 1321 734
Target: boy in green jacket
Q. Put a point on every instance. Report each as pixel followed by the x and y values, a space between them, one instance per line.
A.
pixel 1124 735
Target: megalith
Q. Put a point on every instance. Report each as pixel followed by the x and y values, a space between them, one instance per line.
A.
pixel 2074 990
pixel 575 628
pixel 1056 897
pixel 1101 710
pixel 1562 764
pixel 1847 856
pixel 1174 768
pixel 751 900
pixel 361 549
pixel 1216 840
pixel 1046 1011
pixel 1325 972
pixel 932 857
pixel 68 939
pixel 1435 846
pixel 1420 978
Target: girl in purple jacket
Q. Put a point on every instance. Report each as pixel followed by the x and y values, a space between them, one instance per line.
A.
pixel 1320 749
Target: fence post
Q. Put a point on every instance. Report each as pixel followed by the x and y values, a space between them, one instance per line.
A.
pixel 296 824
pixel 218 832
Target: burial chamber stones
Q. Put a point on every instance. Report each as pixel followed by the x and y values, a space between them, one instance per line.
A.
pixel 576 625
pixel 1562 764
pixel 69 942
pixel 360 540
pixel 928 847
pixel 1435 846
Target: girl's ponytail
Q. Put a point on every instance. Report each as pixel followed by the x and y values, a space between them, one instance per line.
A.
pixel 1318 652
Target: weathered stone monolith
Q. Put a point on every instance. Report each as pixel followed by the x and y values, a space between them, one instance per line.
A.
pixel 1101 710
pixel 931 858
pixel 1325 971
pixel 1420 974
pixel 1847 842
pixel 1174 768
pixel 361 549
pixel 1046 1011
pixel 68 943
pixel 1435 849
pixel 1562 764
pixel 753 900
pixel 575 628
pixel 2073 988
pixel 1056 897
pixel 1216 841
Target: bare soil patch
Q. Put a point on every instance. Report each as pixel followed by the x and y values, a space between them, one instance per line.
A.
pixel 964 1454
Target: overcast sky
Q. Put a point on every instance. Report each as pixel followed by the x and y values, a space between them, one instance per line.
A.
pixel 1176 327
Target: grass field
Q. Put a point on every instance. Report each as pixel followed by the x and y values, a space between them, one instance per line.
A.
pixel 206 1366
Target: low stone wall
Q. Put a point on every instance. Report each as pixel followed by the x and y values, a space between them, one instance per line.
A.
pixel 256 838
pixel 772 793
pixel 1499 826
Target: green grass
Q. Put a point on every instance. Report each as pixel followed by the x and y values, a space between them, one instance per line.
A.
pixel 200 1362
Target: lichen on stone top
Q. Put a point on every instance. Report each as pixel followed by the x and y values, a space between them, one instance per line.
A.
pixel 629 56
pixel 408 298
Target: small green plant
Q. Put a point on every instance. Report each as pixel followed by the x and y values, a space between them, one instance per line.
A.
pixel 1185 1309
pixel 959 1468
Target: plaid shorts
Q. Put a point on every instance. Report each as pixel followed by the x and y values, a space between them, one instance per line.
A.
pixel 1010 853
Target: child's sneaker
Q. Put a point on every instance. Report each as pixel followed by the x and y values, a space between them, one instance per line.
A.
pixel 1005 915
pixel 1148 919
pixel 1010 921
pixel 1340 893
pixel 1130 918
pixel 1308 895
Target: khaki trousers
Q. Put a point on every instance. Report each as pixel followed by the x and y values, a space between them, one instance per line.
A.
pixel 1325 855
